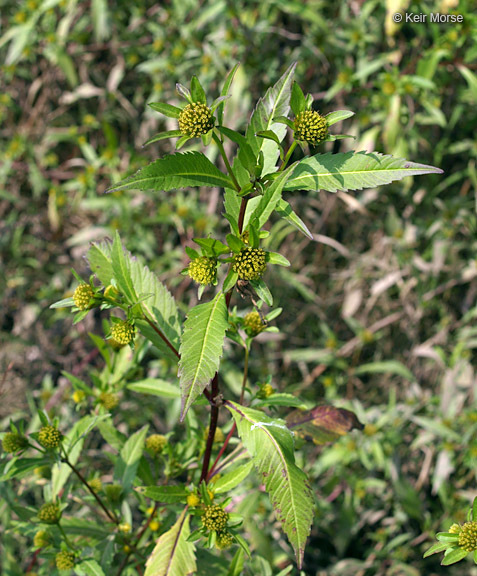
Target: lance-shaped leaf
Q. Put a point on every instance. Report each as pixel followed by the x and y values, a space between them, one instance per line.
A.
pixel 129 457
pixel 120 264
pixel 276 102
pixel 173 555
pixel 284 210
pixel 269 200
pixel 323 424
pixel 271 446
pixel 352 171
pixel 99 258
pixel 201 348
pixel 176 171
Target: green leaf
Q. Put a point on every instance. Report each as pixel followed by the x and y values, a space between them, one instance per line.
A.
pixel 447 537
pixel 338 116
pixel 271 446
pixel 89 568
pixel 235 243
pixel 225 92
pixel 280 399
pixel 121 271
pixel 274 103
pixel 270 199
pixel 277 259
pixel 454 556
pixel 269 135
pixel 323 424
pixel 297 100
pixel 232 479
pixel 434 549
pixel 352 171
pixel 166 494
pixel 166 109
pixel 385 367
pixel 176 171
pixel 158 305
pixel 101 18
pixel 197 92
pixel 163 136
pixel 129 457
pixel 230 281
pixel 18 468
pixel 173 555
pixel 474 510
pixel 212 247
pixel 262 291
pixel 99 259
pixel 284 210
pixel 156 387
pixel 201 348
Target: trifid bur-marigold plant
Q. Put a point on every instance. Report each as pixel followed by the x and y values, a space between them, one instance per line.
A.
pixel 169 494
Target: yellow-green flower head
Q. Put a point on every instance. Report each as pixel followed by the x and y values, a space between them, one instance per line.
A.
pixel 310 127
pixel 454 529
pixel 193 500
pixel 49 437
pixel 109 400
pixel 266 390
pixel 468 536
pixel 123 332
pixel 82 296
pixel 65 560
pixel 215 518
pixel 203 270
pixel 253 323
pixel 49 513
pixel 125 527
pixel 224 540
pixel 196 119
pixel 250 263
pixel 95 484
pixel 155 443
pixel 14 442
pixel 42 539
pixel 113 492
pixel 78 396
pixel 154 525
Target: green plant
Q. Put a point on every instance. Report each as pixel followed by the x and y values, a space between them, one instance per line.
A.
pixel 193 482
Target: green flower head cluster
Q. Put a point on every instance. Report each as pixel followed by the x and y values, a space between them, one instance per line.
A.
pixel 266 390
pixel 155 443
pixel 215 518
pixel 82 296
pixel 95 484
pixel 224 540
pixel 113 492
pixel 250 263
pixel 196 119
pixel 65 560
pixel 49 513
pixel 14 442
pixel 253 323
pixel 203 270
pixel 123 332
pixel 310 127
pixel 468 536
pixel 49 437
pixel 42 539
pixel 109 400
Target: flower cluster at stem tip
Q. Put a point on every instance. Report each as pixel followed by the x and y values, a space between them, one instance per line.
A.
pixel 215 518
pixel 155 443
pixel 65 560
pixel 203 270
pixel 82 296
pixel 42 539
pixel 196 119
pixel 49 437
pixel 310 127
pixel 109 400
pixel 123 332
pixel 253 323
pixel 14 442
pixel 468 536
pixel 49 513
pixel 250 263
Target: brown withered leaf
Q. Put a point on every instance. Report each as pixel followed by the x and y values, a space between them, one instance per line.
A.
pixel 323 424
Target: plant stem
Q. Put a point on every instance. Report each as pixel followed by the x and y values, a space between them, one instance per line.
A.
pixel 214 417
pixel 156 329
pixel 288 156
pixel 245 374
pixel 220 146
pixel 109 514
pixel 63 533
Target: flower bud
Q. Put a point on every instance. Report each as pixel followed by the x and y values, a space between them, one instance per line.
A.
pixel 250 263
pixel 196 119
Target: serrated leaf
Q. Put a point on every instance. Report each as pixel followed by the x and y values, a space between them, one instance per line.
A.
pixel 270 199
pixel 158 305
pixel 284 210
pixel 166 494
pixel 129 457
pixel 99 259
pixel 232 479
pixel 201 348
pixel 271 446
pixel 454 556
pixel 173 555
pixel 181 170
pixel 156 387
pixel 323 424
pixel 120 265
pixel 352 171
pixel 89 568
pixel 276 102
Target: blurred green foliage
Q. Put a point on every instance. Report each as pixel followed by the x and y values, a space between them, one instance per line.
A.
pixel 380 310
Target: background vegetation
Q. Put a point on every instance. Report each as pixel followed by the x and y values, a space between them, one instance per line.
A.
pixel 378 313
